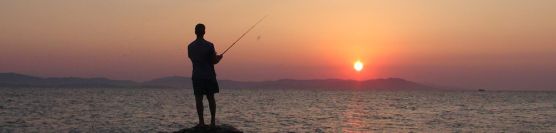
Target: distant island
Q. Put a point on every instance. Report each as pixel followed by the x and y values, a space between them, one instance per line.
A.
pixel 15 80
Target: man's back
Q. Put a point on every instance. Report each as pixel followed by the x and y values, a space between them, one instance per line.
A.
pixel 202 53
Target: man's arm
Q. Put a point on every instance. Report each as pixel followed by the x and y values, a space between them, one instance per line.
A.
pixel 188 53
pixel 217 58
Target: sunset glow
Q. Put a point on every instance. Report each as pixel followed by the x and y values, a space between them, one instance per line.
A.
pixel 358 66
pixel 310 39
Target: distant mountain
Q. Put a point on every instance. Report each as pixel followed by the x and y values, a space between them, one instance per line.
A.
pixel 375 84
pixel 19 80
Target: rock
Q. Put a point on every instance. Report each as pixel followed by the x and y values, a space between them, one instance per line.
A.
pixel 218 129
pixel 318 130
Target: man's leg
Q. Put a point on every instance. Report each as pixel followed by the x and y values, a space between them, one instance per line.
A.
pixel 212 106
pixel 199 103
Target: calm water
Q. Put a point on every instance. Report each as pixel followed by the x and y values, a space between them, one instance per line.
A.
pixel 250 110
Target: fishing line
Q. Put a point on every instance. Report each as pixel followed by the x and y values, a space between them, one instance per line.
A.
pixel 243 35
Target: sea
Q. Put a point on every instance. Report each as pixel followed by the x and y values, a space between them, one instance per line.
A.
pixel 154 110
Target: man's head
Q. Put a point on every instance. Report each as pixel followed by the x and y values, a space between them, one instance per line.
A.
pixel 200 30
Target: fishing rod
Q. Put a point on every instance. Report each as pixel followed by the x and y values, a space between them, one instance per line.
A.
pixel 243 35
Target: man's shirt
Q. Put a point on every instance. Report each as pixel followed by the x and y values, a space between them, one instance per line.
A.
pixel 202 54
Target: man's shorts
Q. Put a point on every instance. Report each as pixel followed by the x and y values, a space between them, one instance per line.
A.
pixel 205 86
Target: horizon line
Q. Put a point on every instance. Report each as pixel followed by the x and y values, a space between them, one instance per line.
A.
pixel 190 77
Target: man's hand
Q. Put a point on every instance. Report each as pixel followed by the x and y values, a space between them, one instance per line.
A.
pixel 218 58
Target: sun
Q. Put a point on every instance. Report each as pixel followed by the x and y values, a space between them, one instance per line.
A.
pixel 358 66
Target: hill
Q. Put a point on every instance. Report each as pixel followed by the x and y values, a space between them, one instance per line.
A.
pixel 20 80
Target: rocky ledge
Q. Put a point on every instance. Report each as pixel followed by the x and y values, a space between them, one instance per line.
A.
pixel 218 129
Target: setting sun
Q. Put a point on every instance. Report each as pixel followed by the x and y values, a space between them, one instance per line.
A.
pixel 358 65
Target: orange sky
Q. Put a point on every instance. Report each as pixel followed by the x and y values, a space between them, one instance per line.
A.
pixel 501 44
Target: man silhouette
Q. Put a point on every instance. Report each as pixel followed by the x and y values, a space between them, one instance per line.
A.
pixel 203 57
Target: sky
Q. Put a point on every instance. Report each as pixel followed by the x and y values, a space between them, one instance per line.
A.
pixel 474 44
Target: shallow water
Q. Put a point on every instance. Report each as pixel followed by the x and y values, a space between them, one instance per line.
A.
pixel 252 110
